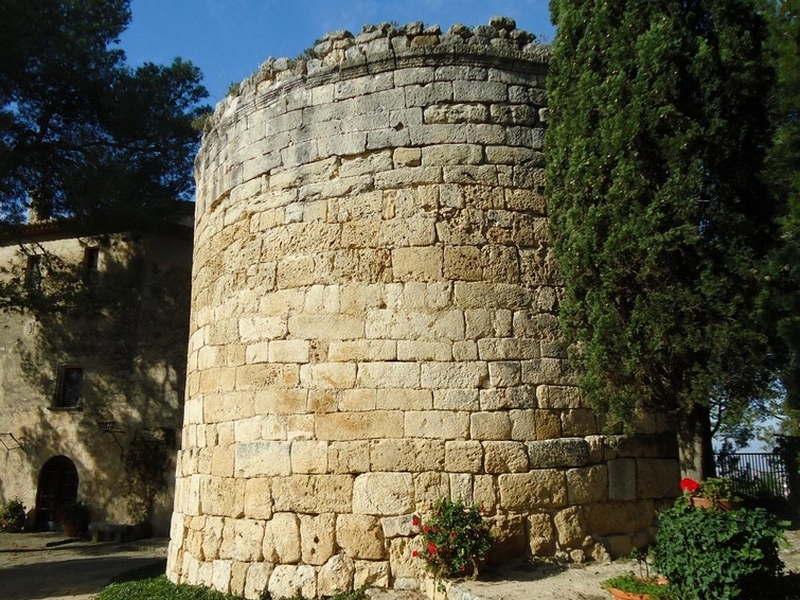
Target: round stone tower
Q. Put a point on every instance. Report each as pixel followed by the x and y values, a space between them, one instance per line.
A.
pixel 374 325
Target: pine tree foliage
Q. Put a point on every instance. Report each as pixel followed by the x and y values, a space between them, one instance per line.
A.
pixel 659 221
pixel 783 176
pixel 82 134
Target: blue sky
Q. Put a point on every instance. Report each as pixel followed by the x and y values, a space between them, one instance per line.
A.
pixel 229 39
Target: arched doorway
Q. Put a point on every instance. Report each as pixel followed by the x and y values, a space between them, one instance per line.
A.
pixel 58 486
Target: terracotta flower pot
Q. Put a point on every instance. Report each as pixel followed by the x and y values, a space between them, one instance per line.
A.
pixel 71 528
pixel 720 503
pixel 620 595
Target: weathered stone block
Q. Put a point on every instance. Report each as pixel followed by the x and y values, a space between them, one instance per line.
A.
pixel 336 576
pixel 541 535
pixel 417 264
pixel 383 494
pixel 490 426
pixel 313 494
pixel 622 479
pixel 587 485
pixel 566 452
pixel 571 527
pixel 505 457
pixel 360 425
pixel 289 581
pixel 403 399
pixel 361 536
pixel 539 488
pixel 407 455
pixel 463 456
pixel 282 539
pixel 317 538
pixel 509 538
pixel 262 459
pixel 258 498
pixel 309 456
pixel 437 424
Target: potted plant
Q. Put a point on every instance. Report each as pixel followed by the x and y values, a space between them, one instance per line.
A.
pixel 718 554
pixel 714 492
pixel 12 516
pixel 75 518
pixel 642 587
pixel 631 587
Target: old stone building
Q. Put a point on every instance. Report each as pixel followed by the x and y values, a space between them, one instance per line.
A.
pixel 92 370
pixel 374 325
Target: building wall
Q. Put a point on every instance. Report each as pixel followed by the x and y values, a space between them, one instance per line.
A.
pixel 374 325
pixel 129 334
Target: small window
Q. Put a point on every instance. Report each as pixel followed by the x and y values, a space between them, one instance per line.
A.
pixel 70 386
pixel 33 272
pixel 91 263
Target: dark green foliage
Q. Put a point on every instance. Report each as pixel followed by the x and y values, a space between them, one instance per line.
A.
pixel 82 134
pixel 160 588
pixel 715 554
pixel 783 176
pixel 12 515
pixel 659 221
pixel 634 585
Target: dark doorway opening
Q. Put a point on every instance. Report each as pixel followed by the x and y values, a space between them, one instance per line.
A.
pixel 58 486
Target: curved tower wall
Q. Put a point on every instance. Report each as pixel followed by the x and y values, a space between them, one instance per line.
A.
pixel 374 324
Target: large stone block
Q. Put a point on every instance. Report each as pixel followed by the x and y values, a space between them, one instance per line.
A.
pixel 407 455
pixel 587 485
pixel 383 494
pixel 282 539
pixel 535 489
pixel 313 494
pixel 361 536
pixel 289 581
pixel 505 457
pixel 566 452
pixel 317 538
pixel 336 576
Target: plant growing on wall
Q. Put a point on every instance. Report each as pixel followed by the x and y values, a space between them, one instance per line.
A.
pixel 146 463
pixel 659 220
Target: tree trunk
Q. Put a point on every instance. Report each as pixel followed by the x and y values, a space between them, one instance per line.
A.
pixel 694 444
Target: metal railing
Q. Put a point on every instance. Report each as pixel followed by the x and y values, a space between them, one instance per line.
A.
pixel 755 474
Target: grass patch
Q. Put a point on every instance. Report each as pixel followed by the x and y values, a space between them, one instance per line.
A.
pixel 149 583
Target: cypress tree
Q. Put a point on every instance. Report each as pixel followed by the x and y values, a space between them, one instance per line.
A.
pixel 659 220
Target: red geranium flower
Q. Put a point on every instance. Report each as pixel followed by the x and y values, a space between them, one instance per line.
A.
pixel 415 521
pixel 415 554
pixel 425 528
pixel 431 548
pixel 689 485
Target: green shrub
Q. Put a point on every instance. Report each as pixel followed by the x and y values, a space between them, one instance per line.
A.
pixel 12 516
pixel 717 555
pixel 455 539
pixel 160 588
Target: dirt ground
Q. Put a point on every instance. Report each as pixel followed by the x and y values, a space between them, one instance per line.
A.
pixel 578 582
pixel 32 570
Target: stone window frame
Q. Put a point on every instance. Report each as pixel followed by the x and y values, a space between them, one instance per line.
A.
pixel 62 399
pixel 33 272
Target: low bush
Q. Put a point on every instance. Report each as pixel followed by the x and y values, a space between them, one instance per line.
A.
pixel 716 554
pixel 160 588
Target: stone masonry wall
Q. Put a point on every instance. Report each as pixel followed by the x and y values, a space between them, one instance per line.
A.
pixel 374 325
